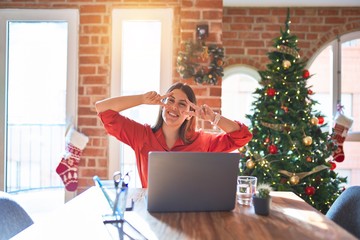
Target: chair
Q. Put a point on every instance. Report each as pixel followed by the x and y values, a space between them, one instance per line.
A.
pixel 13 218
pixel 345 211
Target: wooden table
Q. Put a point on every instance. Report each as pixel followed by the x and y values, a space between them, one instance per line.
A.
pixel 290 218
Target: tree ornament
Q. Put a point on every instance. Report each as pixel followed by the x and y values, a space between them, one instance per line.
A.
pixel 321 119
pixel 272 149
pixel 333 165
pixel 242 149
pixel 288 50
pixel 286 109
pixel 286 64
pixel 274 126
pixel 271 92
pixel 301 175
pixel 280 112
pixel 250 164
pixel 310 92
pixel 267 140
pixel 307 140
pixel 306 74
pixel 190 62
pixel 308 159
pixel 314 121
pixel 310 190
pixel 294 180
pixel 318 179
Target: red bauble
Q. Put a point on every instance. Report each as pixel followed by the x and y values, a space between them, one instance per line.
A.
pixel 271 92
pixel 286 109
pixel 321 120
pixel 273 149
pixel 306 74
pixel 310 190
pixel 333 165
pixel 310 92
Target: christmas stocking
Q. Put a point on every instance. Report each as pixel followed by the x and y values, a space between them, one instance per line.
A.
pixel 342 125
pixel 67 169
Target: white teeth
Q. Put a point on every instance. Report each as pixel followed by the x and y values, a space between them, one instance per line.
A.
pixel 173 114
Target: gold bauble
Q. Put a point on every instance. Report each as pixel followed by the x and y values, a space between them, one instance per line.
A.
pixel 242 149
pixel 286 64
pixel 294 180
pixel 250 164
pixel 314 121
pixel 307 140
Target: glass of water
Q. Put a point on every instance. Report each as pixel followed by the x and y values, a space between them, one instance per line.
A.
pixel 246 187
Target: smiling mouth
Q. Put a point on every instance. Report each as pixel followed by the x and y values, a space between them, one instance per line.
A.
pixel 173 114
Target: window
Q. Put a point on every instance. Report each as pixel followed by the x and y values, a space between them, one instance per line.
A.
pixel 336 72
pixel 238 85
pixel 141 62
pixel 38 66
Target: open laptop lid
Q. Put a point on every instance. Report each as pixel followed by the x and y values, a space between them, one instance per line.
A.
pixel 192 181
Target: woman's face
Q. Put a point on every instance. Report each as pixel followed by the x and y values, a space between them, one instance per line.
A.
pixel 175 110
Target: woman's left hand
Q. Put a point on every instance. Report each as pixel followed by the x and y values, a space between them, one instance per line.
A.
pixel 203 112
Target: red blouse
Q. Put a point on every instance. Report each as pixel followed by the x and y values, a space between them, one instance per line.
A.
pixel 142 139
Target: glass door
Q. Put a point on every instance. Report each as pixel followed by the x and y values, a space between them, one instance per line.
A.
pixel 36 103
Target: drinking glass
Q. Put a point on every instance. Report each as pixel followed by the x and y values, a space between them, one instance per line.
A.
pixel 246 187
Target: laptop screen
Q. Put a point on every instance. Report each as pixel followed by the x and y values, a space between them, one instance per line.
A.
pixel 192 181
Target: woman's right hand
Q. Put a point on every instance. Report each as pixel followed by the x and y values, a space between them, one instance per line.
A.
pixel 153 98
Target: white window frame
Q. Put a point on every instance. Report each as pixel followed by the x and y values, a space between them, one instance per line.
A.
pixel 72 17
pixel 240 69
pixel 164 15
pixel 336 83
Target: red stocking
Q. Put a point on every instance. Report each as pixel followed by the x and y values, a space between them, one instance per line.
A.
pixel 68 166
pixel 342 125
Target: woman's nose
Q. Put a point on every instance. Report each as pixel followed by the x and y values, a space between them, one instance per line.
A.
pixel 174 107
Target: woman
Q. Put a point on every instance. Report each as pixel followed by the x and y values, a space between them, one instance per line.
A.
pixel 175 127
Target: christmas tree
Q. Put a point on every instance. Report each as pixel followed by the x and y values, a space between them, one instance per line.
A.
pixel 290 148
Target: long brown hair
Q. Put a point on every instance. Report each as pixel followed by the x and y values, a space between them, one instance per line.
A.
pixel 188 127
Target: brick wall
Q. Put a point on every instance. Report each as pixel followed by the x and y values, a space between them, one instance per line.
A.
pixel 95 55
pixel 246 34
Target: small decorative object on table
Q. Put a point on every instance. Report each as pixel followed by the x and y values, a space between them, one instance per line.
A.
pixel 262 199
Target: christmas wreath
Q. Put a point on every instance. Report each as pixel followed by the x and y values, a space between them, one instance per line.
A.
pixel 204 63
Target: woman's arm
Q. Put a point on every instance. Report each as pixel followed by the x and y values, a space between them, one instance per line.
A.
pixel 226 124
pixel 121 103
pixel 206 113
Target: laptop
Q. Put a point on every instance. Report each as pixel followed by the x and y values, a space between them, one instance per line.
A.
pixel 192 181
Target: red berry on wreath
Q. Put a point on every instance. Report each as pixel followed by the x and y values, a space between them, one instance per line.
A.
pixel 309 190
pixel 273 149
pixel 271 92
pixel 306 74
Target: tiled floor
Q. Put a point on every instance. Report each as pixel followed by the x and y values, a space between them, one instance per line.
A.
pixel 38 203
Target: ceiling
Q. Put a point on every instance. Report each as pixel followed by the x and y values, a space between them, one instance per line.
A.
pixel 291 3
